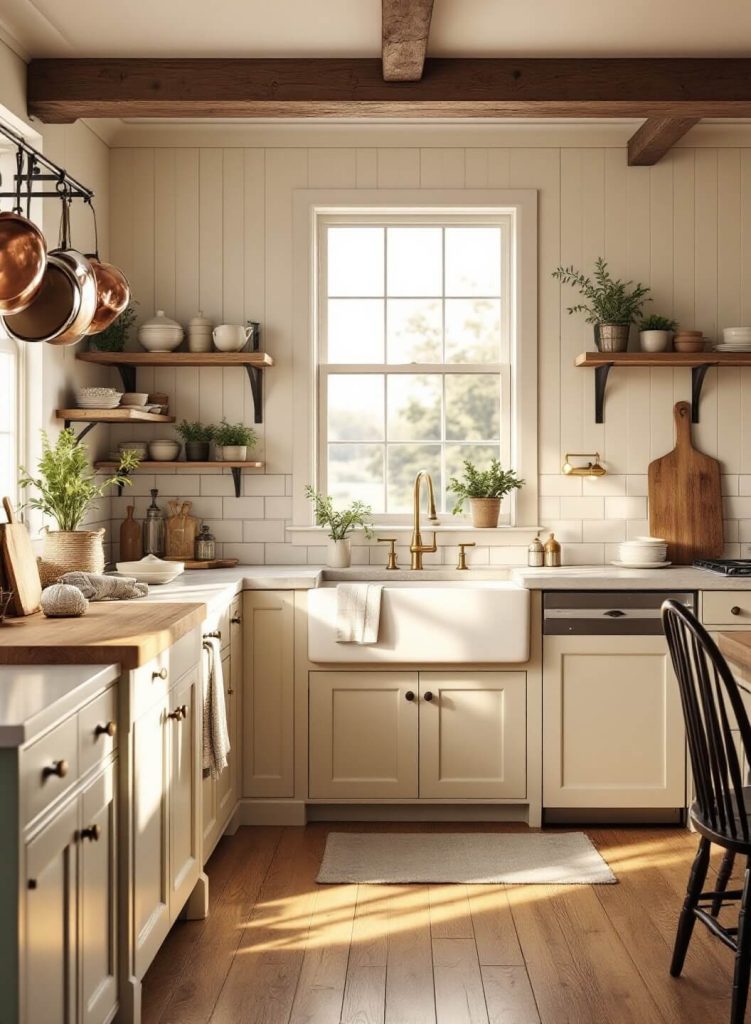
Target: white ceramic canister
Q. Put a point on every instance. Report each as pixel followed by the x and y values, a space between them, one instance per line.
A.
pixel 199 333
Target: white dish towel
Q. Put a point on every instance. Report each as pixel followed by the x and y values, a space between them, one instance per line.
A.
pixel 358 612
pixel 216 743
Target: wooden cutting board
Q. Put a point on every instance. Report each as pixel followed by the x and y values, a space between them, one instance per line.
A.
pixel 214 563
pixel 19 564
pixel 685 497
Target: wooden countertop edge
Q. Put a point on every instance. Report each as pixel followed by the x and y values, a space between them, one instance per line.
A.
pixel 129 652
pixel 737 648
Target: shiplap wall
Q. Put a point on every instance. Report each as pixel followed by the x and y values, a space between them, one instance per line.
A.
pixel 210 227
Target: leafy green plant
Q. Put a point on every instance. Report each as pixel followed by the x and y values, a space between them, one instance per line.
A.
pixel 195 432
pixel 340 522
pixel 113 338
pixel 609 300
pixel 657 323
pixel 227 434
pixel 494 482
pixel 65 481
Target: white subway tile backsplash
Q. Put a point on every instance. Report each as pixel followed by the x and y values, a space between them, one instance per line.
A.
pixel 220 486
pixel 626 508
pixel 278 508
pixel 731 484
pixel 281 554
pixel 744 485
pixel 177 485
pixel 226 530
pixel 582 554
pixel 583 508
pixel 508 556
pixel 263 485
pixel 549 508
pixel 243 508
pixel 604 486
pixel 569 530
pixel 263 530
pixel 737 508
pixel 636 528
pixel 247 554
pixel 558 485
pixel 636 486
pixel 603 530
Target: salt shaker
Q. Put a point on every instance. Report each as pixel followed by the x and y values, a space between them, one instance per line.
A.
pixel 536 553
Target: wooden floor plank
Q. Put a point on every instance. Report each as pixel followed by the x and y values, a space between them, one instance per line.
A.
pixel 459 995
pixel 365 989
pixel 493 924
pixel 410 997
pixel 450 914
pixel 508 996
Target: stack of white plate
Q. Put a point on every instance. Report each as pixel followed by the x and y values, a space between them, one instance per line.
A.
pixel 735 339
pixel 643 553
pixel 151 570
pixel 98 398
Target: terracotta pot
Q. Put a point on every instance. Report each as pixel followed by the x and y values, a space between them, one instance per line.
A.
pixel 485 512
pixel 70 551
pixel 338 554
pixel 612 337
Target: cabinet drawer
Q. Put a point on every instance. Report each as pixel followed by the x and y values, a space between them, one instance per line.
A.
pixel 218 623
pixel 49 767
pixel 153 681
pixel 726 607
pixel 96 723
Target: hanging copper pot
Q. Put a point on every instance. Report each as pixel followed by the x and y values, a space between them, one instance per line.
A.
pixel 23 255
pixel 113 290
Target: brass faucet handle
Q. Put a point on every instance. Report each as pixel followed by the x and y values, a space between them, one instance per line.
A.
pixel 392 562
pixel 462 564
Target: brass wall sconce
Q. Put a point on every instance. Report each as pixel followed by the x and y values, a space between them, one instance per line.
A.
pixel 593 469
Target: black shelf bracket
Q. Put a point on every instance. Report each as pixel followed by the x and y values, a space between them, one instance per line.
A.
pixel 121 472
pixel 127 376
pixel 601 379
pixel 237 479
pixel 255 376
pixel 79 437
pixel 698 373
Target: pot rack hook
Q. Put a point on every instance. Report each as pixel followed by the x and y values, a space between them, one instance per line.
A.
pixel 90 204
pixel 19 180
pixel 31 170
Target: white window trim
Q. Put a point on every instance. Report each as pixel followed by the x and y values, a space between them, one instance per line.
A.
pixel 309 206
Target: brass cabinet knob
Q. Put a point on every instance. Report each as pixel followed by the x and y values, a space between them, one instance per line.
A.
pixel 462 563
pixel 235 620
pixel 58 768
pixel 409 695
pixel 735 610
pixel 215 634
pixel 428 695
pixel 391 562
pixel 93 833
pixel 161 674
pixel 179 713
pixel 109 729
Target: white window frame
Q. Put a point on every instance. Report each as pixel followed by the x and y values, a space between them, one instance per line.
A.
pixel 314 207
pixel 18 433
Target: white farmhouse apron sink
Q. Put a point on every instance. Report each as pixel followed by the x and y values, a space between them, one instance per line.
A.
pixel 430 622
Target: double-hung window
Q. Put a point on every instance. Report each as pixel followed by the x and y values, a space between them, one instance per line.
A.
pixel 10 416
pixel 415 344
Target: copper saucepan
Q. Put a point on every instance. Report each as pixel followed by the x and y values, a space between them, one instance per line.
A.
pixel 23 254
pixel 113 290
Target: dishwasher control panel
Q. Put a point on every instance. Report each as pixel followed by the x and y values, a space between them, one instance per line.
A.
pixel 608 612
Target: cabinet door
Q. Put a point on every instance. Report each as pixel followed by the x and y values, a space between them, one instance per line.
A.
pixel 268 695
pixel 185 746
pixel 225 787
pixel 150 822
pixel 473 735
pixel 363 735
pixel 98 900
pixel 612 724
pixel 50 926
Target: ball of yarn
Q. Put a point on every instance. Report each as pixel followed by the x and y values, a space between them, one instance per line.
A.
pixel 62 601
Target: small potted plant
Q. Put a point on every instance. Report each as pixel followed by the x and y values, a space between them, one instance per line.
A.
pixel 232 441
pixel 197 438
pixel 612 305
pixel 66 491
pixel 484 489
pixel 655 333
pixel 114 337
pixel 340 523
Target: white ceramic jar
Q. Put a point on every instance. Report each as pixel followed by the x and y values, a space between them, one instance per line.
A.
pixel 654 341
pixel 160 334
pixel 199 333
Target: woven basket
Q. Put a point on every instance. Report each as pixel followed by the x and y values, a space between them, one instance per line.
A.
pixel 66 551
pixel 485 512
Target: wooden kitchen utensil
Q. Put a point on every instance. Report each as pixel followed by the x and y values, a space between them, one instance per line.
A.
pixel 685 497
pixel 131 541
pixel 20 564
pixel 180 532
pixel 215 563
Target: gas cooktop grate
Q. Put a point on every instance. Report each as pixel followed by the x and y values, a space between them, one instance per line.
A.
pixel 726 566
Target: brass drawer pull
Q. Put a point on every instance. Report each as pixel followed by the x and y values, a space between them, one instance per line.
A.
pixel 236 620
pixel 735 610
pixel 58 768
pixel 93 833
pixel 215 634
pixel 106 730
pixel 179 713
pixel 161 674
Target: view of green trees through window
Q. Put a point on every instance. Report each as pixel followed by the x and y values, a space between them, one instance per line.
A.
pixel 415 343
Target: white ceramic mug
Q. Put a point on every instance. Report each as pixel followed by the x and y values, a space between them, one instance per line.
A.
pixel 231 337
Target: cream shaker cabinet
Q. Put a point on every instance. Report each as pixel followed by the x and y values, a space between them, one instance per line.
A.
pixel 613 733
pixel 417 735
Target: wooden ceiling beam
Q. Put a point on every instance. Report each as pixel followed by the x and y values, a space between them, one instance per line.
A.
pixel 405 28
pixel 63 90
pixel 649 144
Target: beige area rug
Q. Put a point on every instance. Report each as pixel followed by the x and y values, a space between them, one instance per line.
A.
pixel 474 858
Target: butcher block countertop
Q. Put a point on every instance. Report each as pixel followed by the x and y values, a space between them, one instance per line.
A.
pixel 128 633
pixel 736 647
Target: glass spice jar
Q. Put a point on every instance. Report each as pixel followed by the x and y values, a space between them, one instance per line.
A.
pixel 205 545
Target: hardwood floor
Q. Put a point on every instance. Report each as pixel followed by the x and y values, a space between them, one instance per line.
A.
pixel 279 949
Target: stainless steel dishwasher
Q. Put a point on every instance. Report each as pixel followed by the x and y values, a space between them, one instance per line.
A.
pixel 613 737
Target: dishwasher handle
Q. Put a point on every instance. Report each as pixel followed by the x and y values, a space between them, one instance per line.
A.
pixel 615 613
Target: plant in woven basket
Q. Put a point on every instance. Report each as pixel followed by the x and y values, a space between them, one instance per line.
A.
pixel 65 483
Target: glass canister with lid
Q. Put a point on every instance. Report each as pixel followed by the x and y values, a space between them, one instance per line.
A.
pixel 153 528
pixel 205 545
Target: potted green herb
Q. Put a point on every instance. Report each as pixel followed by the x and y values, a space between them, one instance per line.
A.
pixel 655 333
pixel 114 337
pixel 66 490
pixel 612 305
pixel 232 441
pixel 484 489
pixel 197 438
pixel 340 523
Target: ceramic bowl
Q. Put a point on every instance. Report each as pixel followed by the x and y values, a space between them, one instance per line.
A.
pixel 134 398
pixel 151 570
pixel 164 451
pixel 689 344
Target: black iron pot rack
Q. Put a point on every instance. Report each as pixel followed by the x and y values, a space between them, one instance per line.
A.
pixel 26 178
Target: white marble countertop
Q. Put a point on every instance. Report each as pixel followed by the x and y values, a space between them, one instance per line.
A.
pixel 610 577
pixel 34 697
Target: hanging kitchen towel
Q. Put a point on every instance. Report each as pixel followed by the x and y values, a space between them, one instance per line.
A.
pixel 96 587
pixel 358 612
pixel 216 744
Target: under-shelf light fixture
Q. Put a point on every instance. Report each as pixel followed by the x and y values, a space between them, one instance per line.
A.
pixel 593 469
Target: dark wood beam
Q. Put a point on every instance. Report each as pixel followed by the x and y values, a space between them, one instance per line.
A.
pixel 64 90
pixel 405 28
pixel 649 144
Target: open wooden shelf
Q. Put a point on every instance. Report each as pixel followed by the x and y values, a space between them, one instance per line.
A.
pixel 119 415
pixel 154 466
pixel 697 362
pixel 126 363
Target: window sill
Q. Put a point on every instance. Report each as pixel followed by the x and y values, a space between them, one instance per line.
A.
pixel 425 527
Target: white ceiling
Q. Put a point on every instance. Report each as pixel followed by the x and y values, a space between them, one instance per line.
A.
pixel 328 28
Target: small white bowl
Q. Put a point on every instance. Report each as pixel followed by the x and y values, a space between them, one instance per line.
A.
pixel 151 570
pixel 134 398
pixel 164 451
